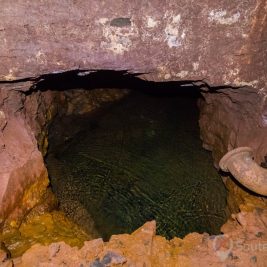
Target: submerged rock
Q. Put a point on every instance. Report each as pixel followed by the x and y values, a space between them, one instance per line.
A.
pixel 141 161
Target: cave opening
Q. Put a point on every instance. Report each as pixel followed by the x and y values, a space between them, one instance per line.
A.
pixel 123 151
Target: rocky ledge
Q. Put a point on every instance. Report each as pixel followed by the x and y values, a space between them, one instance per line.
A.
pixel 243 243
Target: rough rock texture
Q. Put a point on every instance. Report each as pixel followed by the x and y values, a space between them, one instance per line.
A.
pixel 24 178
pixel 221 42
pixel 244 243
pixel 24 131
pixel 231 118
pixel 23 174
pixel 239 198
pixel 211 43
pixel 217 43
pixel 43 228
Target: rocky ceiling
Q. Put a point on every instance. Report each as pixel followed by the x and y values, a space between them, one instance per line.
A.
pixel 220 42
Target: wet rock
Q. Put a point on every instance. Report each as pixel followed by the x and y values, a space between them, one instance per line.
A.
pixel 86 172
pixel 4 252
pixel 130 250
pixel 43 229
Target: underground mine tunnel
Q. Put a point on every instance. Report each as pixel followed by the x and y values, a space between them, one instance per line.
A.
pixel 133 133
pixel 124 153
pixel 133 160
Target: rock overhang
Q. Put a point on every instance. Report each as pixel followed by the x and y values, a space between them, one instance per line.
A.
pixel 211 41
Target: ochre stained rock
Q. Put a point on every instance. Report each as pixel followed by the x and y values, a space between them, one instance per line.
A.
pixel 24 178
pixel 24 124
pixel 44 229
pixel 239 198
pixel 242 244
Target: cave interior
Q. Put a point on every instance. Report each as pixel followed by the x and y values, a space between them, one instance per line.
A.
pixel 134 157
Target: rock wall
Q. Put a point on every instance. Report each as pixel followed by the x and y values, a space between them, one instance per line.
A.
pixel 23 175
pixel 220 42
pixel 219 45
pixel 24 121
pixel 231 118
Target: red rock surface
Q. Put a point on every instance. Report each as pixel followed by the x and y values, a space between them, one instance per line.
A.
pixel 244 243
pixel 220 42
pixel 232 118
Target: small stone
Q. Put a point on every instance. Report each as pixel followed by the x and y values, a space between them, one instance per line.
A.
pixel 106 259
pixel 3 255
pixel 259 234
pixel 53 249
pixel 97 263
pixel 4 252
pixel 113 258
pixel 253 259
pixel 232 256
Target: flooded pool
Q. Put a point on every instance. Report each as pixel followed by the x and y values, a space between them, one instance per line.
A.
pixel 141 160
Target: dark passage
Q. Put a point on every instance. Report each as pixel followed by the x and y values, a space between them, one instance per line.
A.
pixel 141 159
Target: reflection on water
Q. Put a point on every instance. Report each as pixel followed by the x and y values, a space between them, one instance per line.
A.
pixel 143 160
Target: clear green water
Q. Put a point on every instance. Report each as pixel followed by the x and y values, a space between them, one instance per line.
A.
pixel 143 160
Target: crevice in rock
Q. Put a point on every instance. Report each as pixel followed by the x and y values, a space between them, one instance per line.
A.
pixel 99 79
